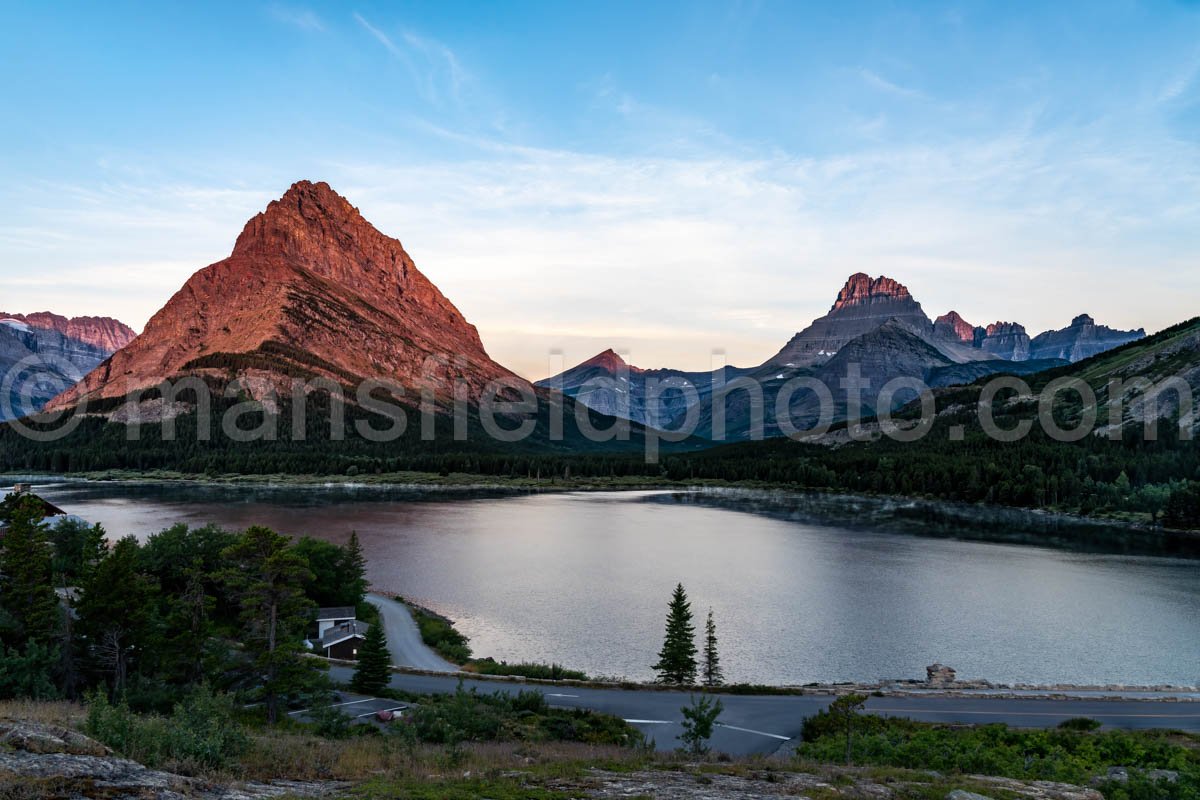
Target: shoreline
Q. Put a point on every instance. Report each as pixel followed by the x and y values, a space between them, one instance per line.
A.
pixel 895 688
pixel 910 515
pixel 465 480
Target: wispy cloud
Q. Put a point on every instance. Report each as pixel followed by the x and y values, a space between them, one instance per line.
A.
pixel 1182 81
pixel 302 18
pixel 435 69
pixel 379 35
pixel 877 81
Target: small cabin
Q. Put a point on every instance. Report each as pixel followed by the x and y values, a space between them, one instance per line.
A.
pixel 342 641
pixel 21 492
pixel 332 617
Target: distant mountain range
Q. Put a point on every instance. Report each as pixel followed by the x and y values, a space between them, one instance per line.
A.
pixel 874 326
pixel 42 354
pixel 313 290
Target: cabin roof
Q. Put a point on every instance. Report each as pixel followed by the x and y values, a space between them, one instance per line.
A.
pixel 347 630
pixel 336 613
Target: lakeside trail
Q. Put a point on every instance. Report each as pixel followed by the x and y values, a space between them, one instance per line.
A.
pixel 404 637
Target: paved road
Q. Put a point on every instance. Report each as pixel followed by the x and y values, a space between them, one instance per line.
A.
pixel 763 724
pixel 404 639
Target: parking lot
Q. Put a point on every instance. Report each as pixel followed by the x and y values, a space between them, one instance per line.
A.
pixel 360 708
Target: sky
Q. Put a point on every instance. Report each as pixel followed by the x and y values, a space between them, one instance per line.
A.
pixel 672 180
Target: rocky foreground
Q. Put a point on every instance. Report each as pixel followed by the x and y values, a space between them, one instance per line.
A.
pixel 46 761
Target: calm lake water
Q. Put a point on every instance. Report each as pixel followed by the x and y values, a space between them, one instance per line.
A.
pixel 583 579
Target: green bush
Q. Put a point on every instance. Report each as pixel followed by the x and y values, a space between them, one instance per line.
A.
pixel 331 723
pixel 1084 724
pixel 200 733
pixel 545 672
pixel 202 730
pixel 469 716
pixel 1068 755
pixel 140 738
pixel 439 633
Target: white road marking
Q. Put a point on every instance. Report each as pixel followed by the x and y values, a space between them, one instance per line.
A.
pixel 335 705
pixel 373 713
pixel 649 722
pixel 756 733
pixel 563 695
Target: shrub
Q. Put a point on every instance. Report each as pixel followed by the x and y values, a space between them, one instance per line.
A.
pixel 468 716
pixel 545 672
pixel 142 739
pixel 1069 756
pixel 203 732
pixel 439 633
pixel 331 723
pixel 200 733
pixel 1083 724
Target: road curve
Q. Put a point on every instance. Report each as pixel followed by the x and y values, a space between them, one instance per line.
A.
pixel 765 723
pixel 404 638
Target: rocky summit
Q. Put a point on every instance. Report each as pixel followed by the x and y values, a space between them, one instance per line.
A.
pixel 1083 338
pixel 43 354
pixel 311 289
pixel 952 327
pixel 103 333
pixel 862 305
pixel 1007 340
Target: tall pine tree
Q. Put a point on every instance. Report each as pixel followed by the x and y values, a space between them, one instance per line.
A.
pixel 710 669
pixel 26 566
pixel 267 578
pixel 117 614
pixel 355 566
pixel 373 672
pixel 677 659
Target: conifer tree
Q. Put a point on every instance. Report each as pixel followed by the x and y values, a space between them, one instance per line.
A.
pixel 116 613
pixel 355 566
pixel 373 672
pixel 26 566
pixel 267 578
pixel 711 668
pixel 677 659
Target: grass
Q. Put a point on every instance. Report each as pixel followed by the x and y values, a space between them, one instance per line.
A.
pixel 58 714
pixel 1076 753
pixel 383 766
pixel 545 672
pixel 439 633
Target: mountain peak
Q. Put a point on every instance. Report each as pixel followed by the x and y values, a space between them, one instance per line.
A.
pixel 1004 329
pixel 310 278
pixel 860 288
pixel 953 326
pixel 305 210
pixel 609 361
pixel 1082 319
pixel 105 333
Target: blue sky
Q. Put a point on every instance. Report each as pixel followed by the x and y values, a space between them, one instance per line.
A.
pixel 663 178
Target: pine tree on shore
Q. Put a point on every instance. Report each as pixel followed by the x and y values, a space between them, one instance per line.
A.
pixel 710 670
pixel 373 672
pixel 356 569
pixel 677 659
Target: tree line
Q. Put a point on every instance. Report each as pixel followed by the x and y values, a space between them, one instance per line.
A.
pixel 148 622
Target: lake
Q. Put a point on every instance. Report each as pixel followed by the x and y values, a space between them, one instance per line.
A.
pixel 583 579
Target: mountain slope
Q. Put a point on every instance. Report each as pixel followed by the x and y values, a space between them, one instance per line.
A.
pixel 311 289
pixel 103 333
pixel 1083 338
pixel 44 354
pixel 654 397
pixel 861 306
